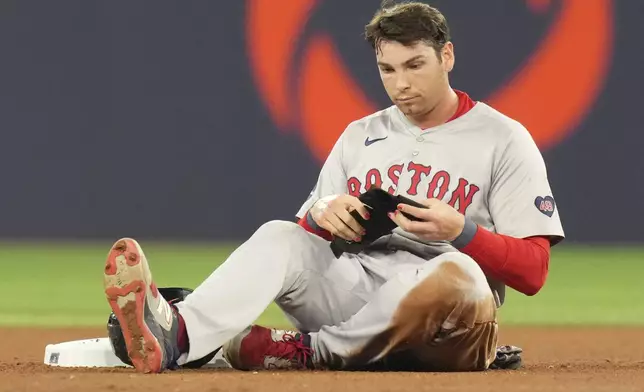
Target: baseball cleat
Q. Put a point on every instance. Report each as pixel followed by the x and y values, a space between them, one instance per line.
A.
pixel 259 348
pixel 149 324
pixel 507 358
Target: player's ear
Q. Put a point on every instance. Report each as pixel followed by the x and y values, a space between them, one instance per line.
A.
pixel 447 57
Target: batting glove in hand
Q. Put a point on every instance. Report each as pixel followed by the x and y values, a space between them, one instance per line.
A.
pixel 378 202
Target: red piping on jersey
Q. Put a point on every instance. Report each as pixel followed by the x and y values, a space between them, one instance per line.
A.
pixel 521 263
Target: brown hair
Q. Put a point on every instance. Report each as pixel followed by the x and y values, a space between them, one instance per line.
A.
pixel 408 23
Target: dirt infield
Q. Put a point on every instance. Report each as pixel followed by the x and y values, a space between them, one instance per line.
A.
pixel 556 359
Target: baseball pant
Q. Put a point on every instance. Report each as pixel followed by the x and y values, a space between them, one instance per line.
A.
pixel 386 310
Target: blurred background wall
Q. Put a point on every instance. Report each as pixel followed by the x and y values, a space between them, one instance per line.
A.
pixel 203 119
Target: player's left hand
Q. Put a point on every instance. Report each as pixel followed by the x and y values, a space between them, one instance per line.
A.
pixel 438 222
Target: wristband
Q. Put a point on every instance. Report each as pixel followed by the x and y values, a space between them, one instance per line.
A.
pixel 466 236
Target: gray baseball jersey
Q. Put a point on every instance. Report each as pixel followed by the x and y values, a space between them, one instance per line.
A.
pixel 483 163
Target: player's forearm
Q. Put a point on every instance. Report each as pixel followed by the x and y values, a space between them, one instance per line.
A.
pixel 520 263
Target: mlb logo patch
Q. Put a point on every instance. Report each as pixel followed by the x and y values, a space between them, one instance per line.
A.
pixel 545 205
pixel 53 358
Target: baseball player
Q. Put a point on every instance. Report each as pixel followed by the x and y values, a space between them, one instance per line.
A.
pixel 423 297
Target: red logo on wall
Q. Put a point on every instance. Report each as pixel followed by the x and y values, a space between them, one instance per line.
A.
pixel 550 94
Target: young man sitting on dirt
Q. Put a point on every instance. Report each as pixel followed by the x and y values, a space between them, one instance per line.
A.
pixel 424 295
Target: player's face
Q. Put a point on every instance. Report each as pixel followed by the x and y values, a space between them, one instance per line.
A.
pixel 413 76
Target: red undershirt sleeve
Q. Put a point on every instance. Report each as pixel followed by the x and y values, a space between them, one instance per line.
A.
pixel 521 263
pixel 309 225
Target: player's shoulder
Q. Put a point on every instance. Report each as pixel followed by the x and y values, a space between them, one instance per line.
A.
pixel 498 122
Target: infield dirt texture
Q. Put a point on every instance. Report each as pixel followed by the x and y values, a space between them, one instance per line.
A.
pixel 583 332
pixel 556 359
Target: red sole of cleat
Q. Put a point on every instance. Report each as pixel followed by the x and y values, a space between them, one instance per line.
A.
pixel 125 289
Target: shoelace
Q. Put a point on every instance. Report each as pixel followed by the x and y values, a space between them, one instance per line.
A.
pixel 293 348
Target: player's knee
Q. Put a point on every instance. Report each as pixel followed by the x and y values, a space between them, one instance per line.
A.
pixel 461 276
pixel 277 231
pixel 455 278
pixel 445 310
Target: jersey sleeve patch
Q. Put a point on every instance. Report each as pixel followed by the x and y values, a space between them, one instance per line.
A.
pixel 545 205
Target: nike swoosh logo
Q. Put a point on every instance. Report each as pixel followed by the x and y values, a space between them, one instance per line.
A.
pixel 368 142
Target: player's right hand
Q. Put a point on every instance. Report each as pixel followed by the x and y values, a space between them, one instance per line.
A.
pixel 333 215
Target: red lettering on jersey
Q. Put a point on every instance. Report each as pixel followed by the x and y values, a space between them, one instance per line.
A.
pixel 463 196
pixel 394 175
pixel 442 188
pixel 354 185
pixel 373 178
pixel 418 169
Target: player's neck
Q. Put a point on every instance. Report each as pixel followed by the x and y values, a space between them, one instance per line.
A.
pixel 439 114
